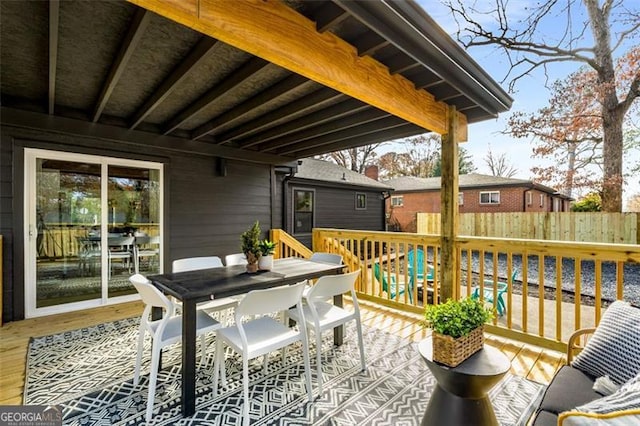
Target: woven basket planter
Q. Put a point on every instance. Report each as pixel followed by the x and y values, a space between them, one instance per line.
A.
pixel 451 352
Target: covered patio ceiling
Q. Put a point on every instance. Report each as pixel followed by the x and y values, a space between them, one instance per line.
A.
pixel 262 81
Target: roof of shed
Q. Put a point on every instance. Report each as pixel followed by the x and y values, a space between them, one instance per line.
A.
pixel 116 64
pixel 470 180
pixel 325 171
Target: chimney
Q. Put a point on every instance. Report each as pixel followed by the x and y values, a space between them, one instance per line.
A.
pixel 371 172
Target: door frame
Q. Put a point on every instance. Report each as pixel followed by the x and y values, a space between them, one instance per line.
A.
pixel 30 226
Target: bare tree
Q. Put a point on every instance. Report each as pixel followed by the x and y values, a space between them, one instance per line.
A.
pixel 418 158
pixel 499 165
pixel 528 46
pixel 355 159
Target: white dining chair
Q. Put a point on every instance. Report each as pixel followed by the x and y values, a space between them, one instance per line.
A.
pixel 323 257
pixel 235 259
pixel 320 315
pixel 261 335
pixel 120 248
pixel 164 332
pixel 206 262
pixel 146 246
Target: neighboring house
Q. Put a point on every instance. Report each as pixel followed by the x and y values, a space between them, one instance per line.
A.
pixel 159 116
pixel 477 194
pixel 325 195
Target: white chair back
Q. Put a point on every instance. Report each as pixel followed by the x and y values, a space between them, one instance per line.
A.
pixel 332 285
pixel 196 263
pixel 145 239
pixel 259 302
pixel 332 258
pixel 235 259
pixel 151 296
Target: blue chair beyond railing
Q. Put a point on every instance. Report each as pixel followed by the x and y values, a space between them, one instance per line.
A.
pixel 418 276
pixel 394 288
pixel 501 289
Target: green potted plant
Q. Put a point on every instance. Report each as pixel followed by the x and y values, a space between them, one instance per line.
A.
pixel 458 329
pixel 251 246
pixel 267 249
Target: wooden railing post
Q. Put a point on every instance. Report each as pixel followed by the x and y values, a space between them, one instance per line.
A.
pixel 449 204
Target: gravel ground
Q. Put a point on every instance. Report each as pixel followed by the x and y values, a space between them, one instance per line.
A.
pixel 631 276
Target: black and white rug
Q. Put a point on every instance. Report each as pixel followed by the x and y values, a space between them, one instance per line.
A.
pixel 89 373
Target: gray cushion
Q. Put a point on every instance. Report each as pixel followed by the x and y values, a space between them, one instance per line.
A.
pixel 545 418
pixel 569 388
pixel 614 348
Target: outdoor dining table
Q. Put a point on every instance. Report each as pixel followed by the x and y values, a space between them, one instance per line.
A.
pixel 194 287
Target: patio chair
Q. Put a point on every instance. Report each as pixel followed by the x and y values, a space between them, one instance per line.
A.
pixel 418 276
pixel 332 258
pixel 146 247
pixel 394 288
pixel 235 259
pixel 501 288
pixel 260 336
pixel 320 315
pixel 164 332
pixel 205 262
pixel 120 248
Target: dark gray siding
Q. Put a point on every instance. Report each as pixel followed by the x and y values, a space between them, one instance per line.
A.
pixel 205 210
pixel 335 207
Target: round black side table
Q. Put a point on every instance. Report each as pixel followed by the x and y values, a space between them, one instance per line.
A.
pixel 460 395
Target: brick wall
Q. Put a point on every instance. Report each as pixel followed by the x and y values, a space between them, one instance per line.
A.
pixel 512 199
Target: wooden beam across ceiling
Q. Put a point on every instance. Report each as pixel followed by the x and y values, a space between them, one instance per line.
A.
pixel 275 32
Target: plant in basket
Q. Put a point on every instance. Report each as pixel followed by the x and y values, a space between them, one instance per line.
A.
pixel 251 246
pixel 458 329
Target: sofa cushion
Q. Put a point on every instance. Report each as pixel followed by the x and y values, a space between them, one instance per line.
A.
pixel 620 408
pixel 569 388
pixel 545 418
pixel 614 348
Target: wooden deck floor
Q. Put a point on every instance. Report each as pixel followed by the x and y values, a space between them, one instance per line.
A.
pixel 527 361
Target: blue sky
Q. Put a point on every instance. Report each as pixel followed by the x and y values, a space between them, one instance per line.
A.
pixel 530 95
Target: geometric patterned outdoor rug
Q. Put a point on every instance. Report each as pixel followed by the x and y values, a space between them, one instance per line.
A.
pixel 89 373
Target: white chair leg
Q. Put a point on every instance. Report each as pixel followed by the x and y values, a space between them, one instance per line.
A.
pixel 265 364
pixel 218 364
pixel 245 382
pixel 203 348
pixel 153 378
pixel 319 358
pixel 307 369
pixel 136 375
pixel 361 343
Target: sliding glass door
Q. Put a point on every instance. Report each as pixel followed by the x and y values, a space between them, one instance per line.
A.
pixel 90 222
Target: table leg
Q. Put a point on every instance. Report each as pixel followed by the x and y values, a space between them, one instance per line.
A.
pixel 445 408
pixel 156 314
pixel 338 332
pixel 188 358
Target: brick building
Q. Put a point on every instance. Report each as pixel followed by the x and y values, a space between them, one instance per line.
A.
pixel 477 194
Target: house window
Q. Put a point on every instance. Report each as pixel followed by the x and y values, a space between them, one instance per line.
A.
pixel 302 211
pixel 397 201
pixel 541 200
pixel 461 198
pixel 529 198
pixel 361 201
pixel 490 197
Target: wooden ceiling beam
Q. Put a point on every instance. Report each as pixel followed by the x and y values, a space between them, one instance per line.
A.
pixel 127 47
pixel 350 121
pixel 274 118
pixel 275 32
pixel 314 119
pixel 197 55
pixel 54 25
pixel 293 82
pixel 394 131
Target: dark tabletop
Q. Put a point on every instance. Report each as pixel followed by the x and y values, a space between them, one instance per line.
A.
pixel 222 282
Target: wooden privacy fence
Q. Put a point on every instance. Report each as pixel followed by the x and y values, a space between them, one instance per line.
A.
pixel 596 227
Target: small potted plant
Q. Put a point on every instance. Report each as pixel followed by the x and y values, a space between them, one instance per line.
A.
pixel 251 246
pixel 267 249
pixel 458 329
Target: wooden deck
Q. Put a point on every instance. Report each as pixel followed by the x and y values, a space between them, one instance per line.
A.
pixel 527 361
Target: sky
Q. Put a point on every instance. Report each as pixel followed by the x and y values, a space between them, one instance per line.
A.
pixel 530 95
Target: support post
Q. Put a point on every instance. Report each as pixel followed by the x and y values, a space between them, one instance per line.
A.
pixel 449 262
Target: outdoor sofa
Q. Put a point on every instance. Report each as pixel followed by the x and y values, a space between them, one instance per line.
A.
pixel 613 350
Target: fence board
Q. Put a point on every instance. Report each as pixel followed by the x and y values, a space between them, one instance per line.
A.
pixel 615 228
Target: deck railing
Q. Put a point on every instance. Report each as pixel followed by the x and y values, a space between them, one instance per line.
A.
pixel 558 286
